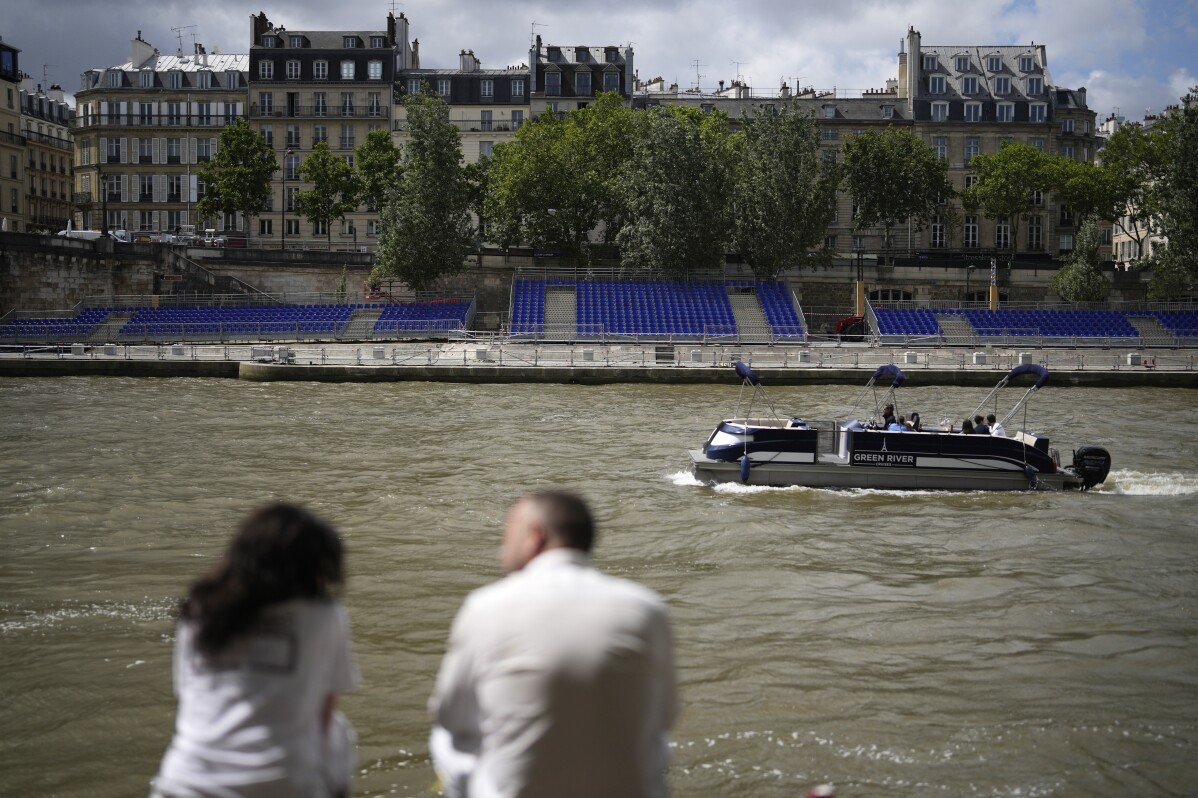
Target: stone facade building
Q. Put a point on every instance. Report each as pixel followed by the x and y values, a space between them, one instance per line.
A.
pixel 12 143
pixel 568 77
pixel 46 121
pixel 311 86
pixel 142 126
pixel 963 101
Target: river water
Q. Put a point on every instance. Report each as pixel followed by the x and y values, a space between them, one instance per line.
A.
pixel 896 644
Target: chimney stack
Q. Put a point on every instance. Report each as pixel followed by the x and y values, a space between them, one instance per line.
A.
pixel 141 51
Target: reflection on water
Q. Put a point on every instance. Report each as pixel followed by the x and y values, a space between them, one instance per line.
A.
pixel 893 643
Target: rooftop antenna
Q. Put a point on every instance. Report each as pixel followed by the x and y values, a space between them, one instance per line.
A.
pixel 393 4
pixel 179 35
pixel 532 33
pixel 738 63
pixel 698 75
pixel 46 75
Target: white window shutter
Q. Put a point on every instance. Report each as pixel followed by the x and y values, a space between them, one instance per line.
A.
pixel 103 150
pixel 191 150
pixel 124 150
pixel 155 221
pixel 135 150
pixel 192 188
pixel 124 188
pixel 183 217
pixel 156 151
pixel 160 188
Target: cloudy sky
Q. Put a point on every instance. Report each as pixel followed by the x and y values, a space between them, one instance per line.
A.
pixel 1132 55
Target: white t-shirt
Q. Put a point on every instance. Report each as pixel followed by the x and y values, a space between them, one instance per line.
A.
pixel 249 720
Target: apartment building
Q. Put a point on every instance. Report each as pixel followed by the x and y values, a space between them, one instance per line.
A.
pixel 46 121
pixel 488 106
pixel 969 100
pixel 12 143
pixel 141 129
pixel 568 77
pixel 307 87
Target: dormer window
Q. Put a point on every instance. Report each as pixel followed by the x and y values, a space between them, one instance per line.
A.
pixel 517 88
pixel 347 70
pixel 269 40
pixel 962 63
pixel 146 79
pixel 232 79
pixel 266 69
pixel 378 42
pixel 888 112
pixel 929 62
pixel 293 69
pixel 554 54
pixel 994 63
pixel 1002 86
pixel 1035 85
pixel 114 79
pixel 612 55
pixel 829 111
pixel 969 85
pixel 582 84
pixel 973 112
pixel 936 84
pixel 349 42
pixel 320 70
pixel 176 79
pixel 1026 63
pixel 296 42
pixel 205 78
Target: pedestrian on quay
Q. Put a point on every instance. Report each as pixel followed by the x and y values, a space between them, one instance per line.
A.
pixel 558 679
pixel 262 652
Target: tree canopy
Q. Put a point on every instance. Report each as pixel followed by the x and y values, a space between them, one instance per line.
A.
pixel 376 168
pixel 894 177
pixel 783 194
pixel 333 193
pixel 239 175
pixel 676 189
pixel 1007 182
pixel 1080 279
pixel 425 230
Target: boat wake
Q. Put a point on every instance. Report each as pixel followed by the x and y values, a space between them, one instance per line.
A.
pixel 1139 483
pixel 686 479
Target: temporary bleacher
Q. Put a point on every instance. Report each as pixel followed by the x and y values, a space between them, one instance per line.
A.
pixel 77 327
pixel 1011 325
pixel 246 322
pixel 653 308
pixel 436 317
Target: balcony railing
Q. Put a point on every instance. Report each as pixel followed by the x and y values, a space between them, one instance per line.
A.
pixel 157 120
pixel 42 138
pixel 11 138
pixel 322 111
pixel 473 125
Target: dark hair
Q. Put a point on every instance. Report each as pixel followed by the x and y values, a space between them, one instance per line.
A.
pixel 902 419
pixel 280 552
pixel 978 420
pixel 916 424
pixel 990 419
pixel 966 425
pixel 566 518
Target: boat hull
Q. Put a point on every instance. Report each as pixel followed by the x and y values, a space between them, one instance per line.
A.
pixel 831 473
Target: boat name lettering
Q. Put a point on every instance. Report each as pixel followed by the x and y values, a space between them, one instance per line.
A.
pixel 883 459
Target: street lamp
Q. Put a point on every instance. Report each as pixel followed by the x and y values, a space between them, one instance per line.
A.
pixel 283 203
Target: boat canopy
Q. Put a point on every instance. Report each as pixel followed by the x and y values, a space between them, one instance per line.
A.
pixel 1040 372
pixel 746 373
pixel 890 370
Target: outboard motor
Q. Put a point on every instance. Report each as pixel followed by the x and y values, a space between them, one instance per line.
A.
pixel 1092 464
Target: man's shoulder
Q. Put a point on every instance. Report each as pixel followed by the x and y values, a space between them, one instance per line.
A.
pixel 516 587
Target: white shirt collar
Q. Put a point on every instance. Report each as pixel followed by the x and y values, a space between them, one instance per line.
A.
pixel 560 556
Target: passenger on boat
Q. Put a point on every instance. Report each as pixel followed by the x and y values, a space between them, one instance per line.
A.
pixel 966 427
pixel 887 416
pixel 979 426
pixel 996 427
pixel 915 425
pixel 899 425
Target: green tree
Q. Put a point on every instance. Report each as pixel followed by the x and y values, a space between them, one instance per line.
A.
pixel 784 193
pixel 557 182
pixel 1090 191
pixel 1171 277
pixel 377 166
pixel 425 231
pixel 334 190
pixel 1135 160
pixel 238 176
pixel 1179 188
pixel 894 177
pixel 677 189
pixel 1007 182
pixel 1080 278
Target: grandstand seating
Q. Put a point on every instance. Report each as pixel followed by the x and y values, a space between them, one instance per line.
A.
pixel 907 321
pixel 1052 323
pixel 249 320
pixel 1182 323
pixel 79 326
pixel 652 307
pixel 423 316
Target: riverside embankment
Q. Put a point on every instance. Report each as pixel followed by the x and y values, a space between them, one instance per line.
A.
pixel 458 362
